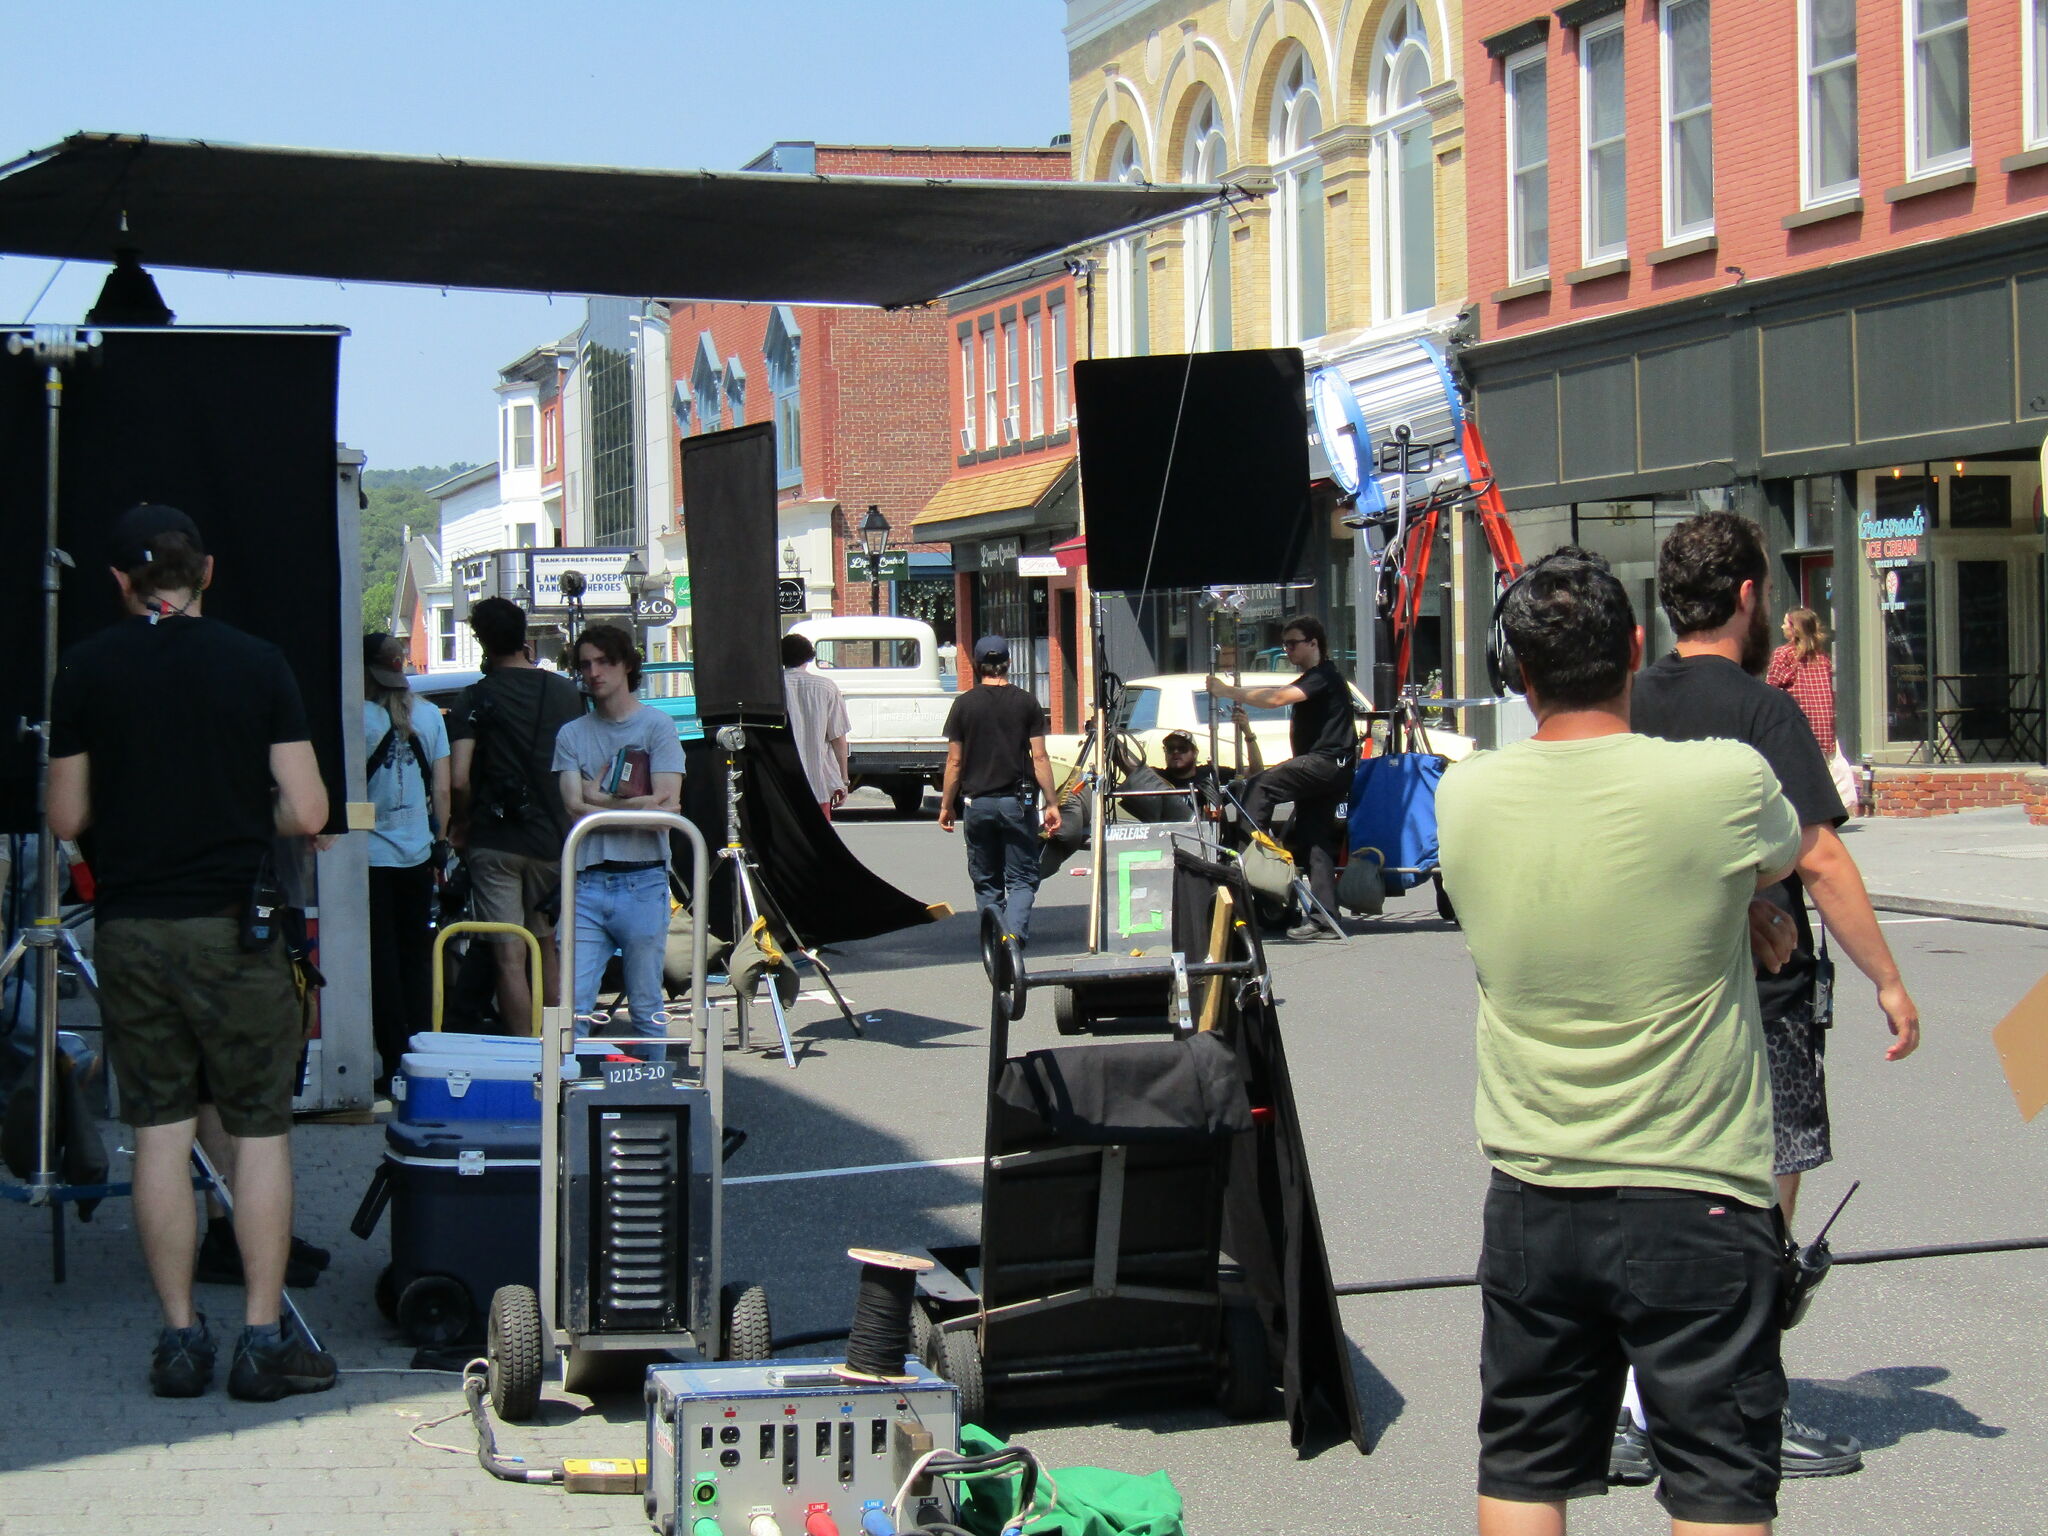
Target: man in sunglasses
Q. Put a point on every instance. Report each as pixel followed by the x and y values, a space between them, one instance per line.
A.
pixel 1324 735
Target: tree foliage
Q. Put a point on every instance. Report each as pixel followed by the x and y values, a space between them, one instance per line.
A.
pixel 398 500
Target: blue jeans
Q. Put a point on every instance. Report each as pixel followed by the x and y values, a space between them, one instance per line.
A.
pixel 1002 859
pixel 626 911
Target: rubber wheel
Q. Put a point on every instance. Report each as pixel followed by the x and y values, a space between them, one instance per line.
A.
pixel 960 1363
pixel 387 1294
pixel 1067 1017
pixel 748 1333
pixel 513 1352
pixel 924 1336
pixel 435 1311
pixel 1244 1388
pixel 907 798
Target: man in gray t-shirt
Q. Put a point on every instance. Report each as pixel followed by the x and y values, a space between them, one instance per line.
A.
pixel 622 756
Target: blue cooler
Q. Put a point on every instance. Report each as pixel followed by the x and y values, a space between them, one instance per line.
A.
pixel 444 1086
pixel 465 1220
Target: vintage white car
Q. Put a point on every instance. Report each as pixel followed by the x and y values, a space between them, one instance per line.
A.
pixel 1179 701
pixel 898 692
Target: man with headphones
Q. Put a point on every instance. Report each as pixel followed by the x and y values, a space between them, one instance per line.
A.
pixel 1603 880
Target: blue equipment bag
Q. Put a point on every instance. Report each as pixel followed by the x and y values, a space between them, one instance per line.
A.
pixel 1393 810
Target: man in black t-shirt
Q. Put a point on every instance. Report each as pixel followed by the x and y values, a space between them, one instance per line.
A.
pixel 1713 580
pixel 1323 732
pixel 996 762
pixel 182 744
pixel 509 819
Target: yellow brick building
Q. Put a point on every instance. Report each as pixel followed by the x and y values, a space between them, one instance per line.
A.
pixel 1343 122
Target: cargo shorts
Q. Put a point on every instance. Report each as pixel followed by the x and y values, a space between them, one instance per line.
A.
pixel 183 1003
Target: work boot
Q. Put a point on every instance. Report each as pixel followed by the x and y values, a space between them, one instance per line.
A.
pixel 1309 932
pixel 275 1362
pixel 183 1365
pixel 220 1258
pixel 1629 1463
pixel 1809 1452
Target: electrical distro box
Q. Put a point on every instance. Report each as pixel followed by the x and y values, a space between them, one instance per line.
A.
pixel 783 1438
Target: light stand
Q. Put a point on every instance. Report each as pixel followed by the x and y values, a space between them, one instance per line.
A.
pixel 751 903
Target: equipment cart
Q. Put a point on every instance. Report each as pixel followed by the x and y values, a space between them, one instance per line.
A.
pixel 1103 1183
pixel 630 1191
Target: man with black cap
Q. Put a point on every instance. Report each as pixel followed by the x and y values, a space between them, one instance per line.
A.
pixel 182 744
pixel 996 763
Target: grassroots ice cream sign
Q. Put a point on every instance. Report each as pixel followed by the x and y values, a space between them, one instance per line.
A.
pixel 1893 539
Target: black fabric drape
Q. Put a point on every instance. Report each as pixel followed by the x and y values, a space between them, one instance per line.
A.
pixel 826 894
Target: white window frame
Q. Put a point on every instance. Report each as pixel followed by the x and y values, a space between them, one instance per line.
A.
pixel 550 453
pixel 444 631
pixel 2034 51
pixel 970 401
pixel 1129 286
pixel 991 386
pixel 1511 74
pixel 1013 385
pixel 1917 165
pixel 1294 158
pixel 1675 232
pixel 1062 392
pixel 1810 194
pixel 1588 241
pixel 1034 342
pixel 518 455
pixel 1204 160
pixel 1388 125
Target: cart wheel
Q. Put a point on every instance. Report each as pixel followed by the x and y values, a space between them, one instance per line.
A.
pixel 748 1333
pixel 1444 909
pixel 513 1351
pixel 1244 1389
pixel 924 1336
pixel 1067 1016
pixel 387 1294
pixel 960 1363
pixel 435 1311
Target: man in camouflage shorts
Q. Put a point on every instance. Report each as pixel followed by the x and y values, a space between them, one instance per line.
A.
pixel 182 744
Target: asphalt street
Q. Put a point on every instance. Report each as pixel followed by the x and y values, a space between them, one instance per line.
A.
pixel 1937 1364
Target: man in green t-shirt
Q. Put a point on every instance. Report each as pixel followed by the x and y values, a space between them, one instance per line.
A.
pixel 1603 881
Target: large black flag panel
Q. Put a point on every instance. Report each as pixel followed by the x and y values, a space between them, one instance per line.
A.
pixel 1194 469
pixel 236 428
pixel 729 524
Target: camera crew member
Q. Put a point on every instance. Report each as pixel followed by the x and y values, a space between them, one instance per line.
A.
pixel 1603 880
pixel 182 744
pixel 995 760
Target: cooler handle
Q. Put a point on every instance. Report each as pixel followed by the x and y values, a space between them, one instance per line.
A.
pixel 375 1198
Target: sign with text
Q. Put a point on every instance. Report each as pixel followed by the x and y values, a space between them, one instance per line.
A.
pixel 655 609
pixel 789 595
pixel 603 572
pixel 1895 531
pixel 1000 554
pixel 1038 565
pixel 895 565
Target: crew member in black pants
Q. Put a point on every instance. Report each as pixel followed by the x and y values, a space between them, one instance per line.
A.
pixel 1324 735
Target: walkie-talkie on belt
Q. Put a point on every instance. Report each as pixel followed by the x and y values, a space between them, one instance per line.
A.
pixel 1806 1267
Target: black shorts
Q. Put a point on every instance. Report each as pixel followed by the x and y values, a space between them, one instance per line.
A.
pixel 1579 1284
pixel 1796 1046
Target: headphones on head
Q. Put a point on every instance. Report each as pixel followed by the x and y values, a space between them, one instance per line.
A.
pixel 1503 667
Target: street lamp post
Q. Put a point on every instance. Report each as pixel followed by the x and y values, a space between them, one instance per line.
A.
pixel 635 576
pixel 874 543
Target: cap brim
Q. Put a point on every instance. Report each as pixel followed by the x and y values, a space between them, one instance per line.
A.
pixel 384 677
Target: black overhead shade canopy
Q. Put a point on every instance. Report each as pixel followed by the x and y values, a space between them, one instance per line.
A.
pixel 549 229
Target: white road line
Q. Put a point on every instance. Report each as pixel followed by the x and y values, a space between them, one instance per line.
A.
pixel 841 1173
pixel 1892 921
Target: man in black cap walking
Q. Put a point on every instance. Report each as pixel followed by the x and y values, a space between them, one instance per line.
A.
pixel 996 762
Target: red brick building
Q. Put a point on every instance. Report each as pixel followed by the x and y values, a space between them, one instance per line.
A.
pixel 859 398
pixel 1791 259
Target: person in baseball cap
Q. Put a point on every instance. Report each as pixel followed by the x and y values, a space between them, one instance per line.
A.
pixel 136 539
pixel 999 786
pixel 992 648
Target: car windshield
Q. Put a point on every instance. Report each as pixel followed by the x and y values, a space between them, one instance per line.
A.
pixel 1207 704
pixel 841 655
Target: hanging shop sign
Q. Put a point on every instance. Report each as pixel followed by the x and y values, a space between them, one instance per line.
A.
pixel 1000 554
pixel 789 595
pixel 1038 565
pixel 895 565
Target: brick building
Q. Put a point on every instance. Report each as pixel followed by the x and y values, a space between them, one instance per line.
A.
pixel 858 397
pixel 1794 260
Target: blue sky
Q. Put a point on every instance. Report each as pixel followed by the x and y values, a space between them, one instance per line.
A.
pixel 608 82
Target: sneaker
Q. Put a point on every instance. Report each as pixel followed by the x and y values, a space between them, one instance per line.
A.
pixel 183 1366
pixel 1629 1462
pixel 220 1259
pixel 275 1363
pixel 1308 932
pixel 1808 1452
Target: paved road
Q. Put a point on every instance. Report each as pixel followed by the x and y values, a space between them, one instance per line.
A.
pixel 1938 1364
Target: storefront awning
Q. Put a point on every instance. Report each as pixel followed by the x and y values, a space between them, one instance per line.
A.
pixel 1002 490
pixel 447 223
pixel 1073 554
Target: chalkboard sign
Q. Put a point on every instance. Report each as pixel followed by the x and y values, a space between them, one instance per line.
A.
pixel 1980 501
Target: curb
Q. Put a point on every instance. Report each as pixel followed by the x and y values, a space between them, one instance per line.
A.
pixel 1962 911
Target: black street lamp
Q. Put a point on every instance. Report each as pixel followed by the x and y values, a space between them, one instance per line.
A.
pixel 634 574
pixel 874 543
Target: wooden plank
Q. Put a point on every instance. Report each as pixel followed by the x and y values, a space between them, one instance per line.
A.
pixel 1221 912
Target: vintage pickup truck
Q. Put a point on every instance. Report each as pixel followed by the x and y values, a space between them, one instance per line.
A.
pixel 898 692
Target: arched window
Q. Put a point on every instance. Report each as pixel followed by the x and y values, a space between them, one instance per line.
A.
pixel 1130 322
pixel 1404 170
pixel 1298 288
pixel 1205 159
pixel 783 349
